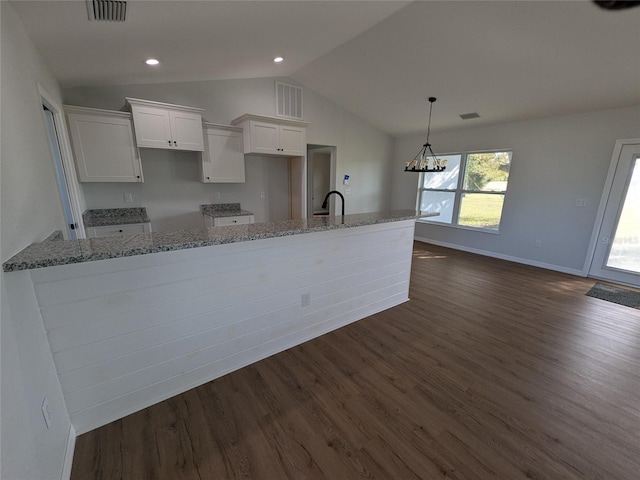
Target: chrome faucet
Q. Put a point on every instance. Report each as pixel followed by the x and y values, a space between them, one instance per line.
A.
pixel 326 200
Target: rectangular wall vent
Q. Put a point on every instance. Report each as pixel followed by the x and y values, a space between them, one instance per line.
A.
pixel 288 101
pixel 469 116
pixel 107 10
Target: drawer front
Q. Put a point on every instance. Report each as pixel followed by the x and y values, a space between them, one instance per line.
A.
pixel 239 220
pixel 113 230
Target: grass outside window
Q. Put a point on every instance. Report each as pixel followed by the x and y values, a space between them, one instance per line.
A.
pixel 477 185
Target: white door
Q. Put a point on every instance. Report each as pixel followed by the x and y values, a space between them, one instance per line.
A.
pixel 186 131
pixel 292 140
pixel 152 127
pixel 61 177
pixel 617 252
pixel 104 148
pixel 265 138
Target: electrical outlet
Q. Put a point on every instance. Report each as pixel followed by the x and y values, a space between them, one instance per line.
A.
pixel 305 301
pixel 128 198
pixel 581 202
pixel 46 412
pixel 218 195
pixel 262 195
pixel 347 191
pixel 538 243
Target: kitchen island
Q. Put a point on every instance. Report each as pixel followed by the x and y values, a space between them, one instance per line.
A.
pixel 136 319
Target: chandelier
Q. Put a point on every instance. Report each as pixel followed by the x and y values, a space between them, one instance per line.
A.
pixel 426 160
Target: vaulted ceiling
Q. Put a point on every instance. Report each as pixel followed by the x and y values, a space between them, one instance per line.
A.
pixel 505 60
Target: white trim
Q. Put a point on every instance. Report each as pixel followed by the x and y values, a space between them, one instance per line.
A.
pixel 169 106
pixel 597 226
pixel 524 261
pixel 460 227
pixel 96 111
pixel 262 118
pixel 67 158
pixel 68 454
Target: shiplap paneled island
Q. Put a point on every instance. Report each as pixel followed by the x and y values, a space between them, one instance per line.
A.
pixel 136 319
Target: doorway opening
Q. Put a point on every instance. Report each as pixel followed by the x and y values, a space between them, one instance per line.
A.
pixel 321 179
pixel 63 167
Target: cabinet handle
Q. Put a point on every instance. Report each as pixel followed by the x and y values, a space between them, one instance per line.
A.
pixel 120 230
pixel 169 142
pixel 175 144
pixel 208 178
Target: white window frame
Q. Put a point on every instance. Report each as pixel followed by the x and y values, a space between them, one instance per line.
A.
pixel 459 191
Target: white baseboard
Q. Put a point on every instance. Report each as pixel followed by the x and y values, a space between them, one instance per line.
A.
pixel 524 261
pixel 68 454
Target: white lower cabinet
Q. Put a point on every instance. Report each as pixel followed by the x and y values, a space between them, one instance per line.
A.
pixel 210 221
pixel 114 230
pixel 103 145
pixel 223 157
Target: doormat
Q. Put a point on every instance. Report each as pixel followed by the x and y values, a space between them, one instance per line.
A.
pixel 622 296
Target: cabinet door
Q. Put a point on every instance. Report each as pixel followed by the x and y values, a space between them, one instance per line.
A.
pixel 265 138
pixel 153 127
pixel 186 131
pixel 104 149
pixel 292 140
pixel 226 221
pixel 223 159
pixel 114 230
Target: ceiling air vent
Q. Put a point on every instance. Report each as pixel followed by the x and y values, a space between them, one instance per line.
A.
pixel 107 10
pixel 469 116
pixel 288 101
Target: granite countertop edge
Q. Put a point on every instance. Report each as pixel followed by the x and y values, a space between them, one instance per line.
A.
pixel 65 252
pixel 224 210
pixel 107 217
pixel 228 213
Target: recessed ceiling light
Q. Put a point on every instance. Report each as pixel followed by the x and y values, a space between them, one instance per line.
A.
pixel 152 61
pixel 278 59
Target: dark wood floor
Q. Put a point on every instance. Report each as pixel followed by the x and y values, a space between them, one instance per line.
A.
pixel 492 370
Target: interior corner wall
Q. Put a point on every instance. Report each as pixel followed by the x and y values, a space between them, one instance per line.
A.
pixel 556 160
pixel 30 211
pixel 363 152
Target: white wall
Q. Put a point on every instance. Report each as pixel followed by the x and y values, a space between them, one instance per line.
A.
pixel 172 191
pixel 30 211
pixel 362 151
pixel 555 161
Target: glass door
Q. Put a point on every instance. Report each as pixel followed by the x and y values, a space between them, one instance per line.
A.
pixel 617 253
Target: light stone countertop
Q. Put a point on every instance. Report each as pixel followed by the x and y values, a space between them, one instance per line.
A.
pixel 104 217
pixel 224 210
pixel 64 252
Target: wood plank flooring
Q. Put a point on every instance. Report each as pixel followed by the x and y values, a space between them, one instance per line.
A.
pixel 493 370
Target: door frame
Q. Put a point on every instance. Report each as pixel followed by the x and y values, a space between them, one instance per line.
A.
pixel 606 192
pixel 332 151
pixel 75 196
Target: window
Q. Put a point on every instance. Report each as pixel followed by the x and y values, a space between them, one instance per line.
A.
pixel 470 192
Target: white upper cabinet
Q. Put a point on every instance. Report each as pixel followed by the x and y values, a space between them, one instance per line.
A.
pixel 272 136
pixel 103 145
pixel 223 157
pixel 162 125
